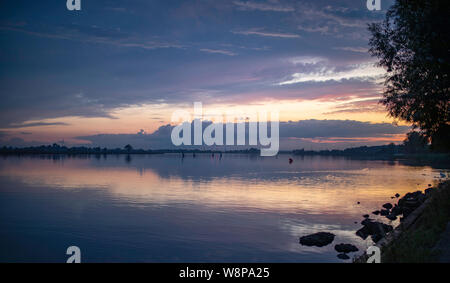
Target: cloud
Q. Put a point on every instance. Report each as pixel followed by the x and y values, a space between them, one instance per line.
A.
pixel 48 65
pixel 96 35
pixel 29 103
pixel 353 49
pixel 339 128
pixel 306 129
pixel 362 72
pixel 317 29
pixel 218 51
pixel 360 106
pixel 266 34
pixel 307 60
pixel 34 124
pixel 348 20
pixel 18 142
pixel 273 6
pixel 341 17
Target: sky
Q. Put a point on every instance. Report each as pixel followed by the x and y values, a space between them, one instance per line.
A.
pixel 114 72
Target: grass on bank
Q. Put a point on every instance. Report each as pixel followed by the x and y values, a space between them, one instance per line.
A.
pixel 416 244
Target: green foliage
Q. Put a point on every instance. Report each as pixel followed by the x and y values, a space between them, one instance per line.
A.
pixel 413 45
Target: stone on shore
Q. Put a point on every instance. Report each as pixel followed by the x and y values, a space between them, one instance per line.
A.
pixel 343 256
pixel 396 210
pixel 320 239
pixel 372 228
pixel 363 232
pixel 387 206
pixel 411 201
pixel 376 238
pixel 345 248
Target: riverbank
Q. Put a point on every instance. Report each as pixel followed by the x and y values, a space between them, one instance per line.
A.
pixel 386 153
pixel 422 235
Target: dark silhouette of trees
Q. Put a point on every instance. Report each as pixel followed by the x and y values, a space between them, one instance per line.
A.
pixel 415 142
pixel 413 45
pixel 128 148
pixel 56 149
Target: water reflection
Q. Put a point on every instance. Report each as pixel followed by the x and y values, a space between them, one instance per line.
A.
pixel 207 208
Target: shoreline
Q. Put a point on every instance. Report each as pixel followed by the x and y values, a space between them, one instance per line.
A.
pixel 388 153
pixel 415 239
pixel 434 160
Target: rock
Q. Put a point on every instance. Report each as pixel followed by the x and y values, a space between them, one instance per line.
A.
pixel 409 204
pixel 343 256
pixel 364 232
pixel 345 248
pixel 384 212
pixel 366 215
pixel 376 212
pixel 412 203
pixel 387 205
pixel 396 210
pixel 397 195
pixel 429 185
pixel 379 228
pixel 376 238
pixel 412 200
pixel 320 239
pixel 416 193
pixel 373 228
pixel 428 191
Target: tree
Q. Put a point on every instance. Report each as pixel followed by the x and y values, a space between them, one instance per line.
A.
pixel 413 45
pixel 128 148
pixel 414 142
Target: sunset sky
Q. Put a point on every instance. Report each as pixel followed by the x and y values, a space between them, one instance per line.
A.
pixel 101 75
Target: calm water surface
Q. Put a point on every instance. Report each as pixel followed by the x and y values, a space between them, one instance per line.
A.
pixel 162 208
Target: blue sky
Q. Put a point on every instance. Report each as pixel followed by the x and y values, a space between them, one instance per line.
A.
pixel 67 74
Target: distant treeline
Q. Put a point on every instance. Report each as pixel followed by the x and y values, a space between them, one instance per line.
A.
pixel 414 144
pixel 57 149
pixel 383 150
pixel 128 149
